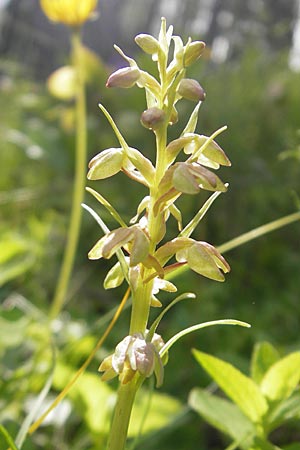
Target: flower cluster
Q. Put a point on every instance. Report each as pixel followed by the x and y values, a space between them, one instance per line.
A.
pixel 173 178
pixel 183 166
pixel 134 354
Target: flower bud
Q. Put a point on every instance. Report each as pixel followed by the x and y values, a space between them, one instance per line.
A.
pixel 191 90
pixel 153 118
pixel 123 78
pixel 193 52
pixel 147 43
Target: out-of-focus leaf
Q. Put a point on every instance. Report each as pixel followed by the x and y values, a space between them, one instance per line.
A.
pixel 62 83
pixel 95 401
pixel 16 256
pixel 12 332
pixel 287 410
pixel 223 415
pixel 263 357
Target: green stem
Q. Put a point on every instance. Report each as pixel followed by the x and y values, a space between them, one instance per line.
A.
pixel 79 182
pixel 120 422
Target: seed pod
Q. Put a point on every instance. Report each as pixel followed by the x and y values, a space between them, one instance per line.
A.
pixel 191 90
pixel 153 118
pixel 123 78
pixel 147 43
pixel 193 52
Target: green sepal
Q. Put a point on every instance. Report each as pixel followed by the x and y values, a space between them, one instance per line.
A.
pixel 113 241
pixel 115 276
pixel 142 163
pixel 106 164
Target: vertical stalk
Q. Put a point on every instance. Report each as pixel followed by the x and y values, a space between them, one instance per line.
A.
pixel 119 426
pixel 79 182
pixel 141 298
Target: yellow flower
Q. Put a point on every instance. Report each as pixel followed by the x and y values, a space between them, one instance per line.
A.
pixel 69 12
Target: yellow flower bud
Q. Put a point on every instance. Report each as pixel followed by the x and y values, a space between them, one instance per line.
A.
pixel 69 12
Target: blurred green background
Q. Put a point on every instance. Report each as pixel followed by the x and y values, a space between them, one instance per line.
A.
pixel 250 73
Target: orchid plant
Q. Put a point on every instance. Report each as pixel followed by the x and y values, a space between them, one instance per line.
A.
pixel 146 261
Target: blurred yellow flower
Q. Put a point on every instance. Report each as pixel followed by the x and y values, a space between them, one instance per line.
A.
pixel 69 12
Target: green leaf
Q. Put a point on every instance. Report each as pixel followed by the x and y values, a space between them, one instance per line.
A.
pixel 263 357
pixel 223 415
pixel 282 378
pixel 241 389
pixel 286 410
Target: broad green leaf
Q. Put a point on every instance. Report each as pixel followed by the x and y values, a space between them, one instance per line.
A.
pixel 263 357
pixel 241 389
pixel 223 415
pixel 287 410
pixel 282 378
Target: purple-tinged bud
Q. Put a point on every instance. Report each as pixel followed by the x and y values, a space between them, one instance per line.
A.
pixel 191 90
pixel 147 43
pixel 153 118
pixel 123 78
pixel 192 52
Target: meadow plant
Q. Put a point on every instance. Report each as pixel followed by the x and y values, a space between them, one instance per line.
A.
pixel 68 83
pixel 146 259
